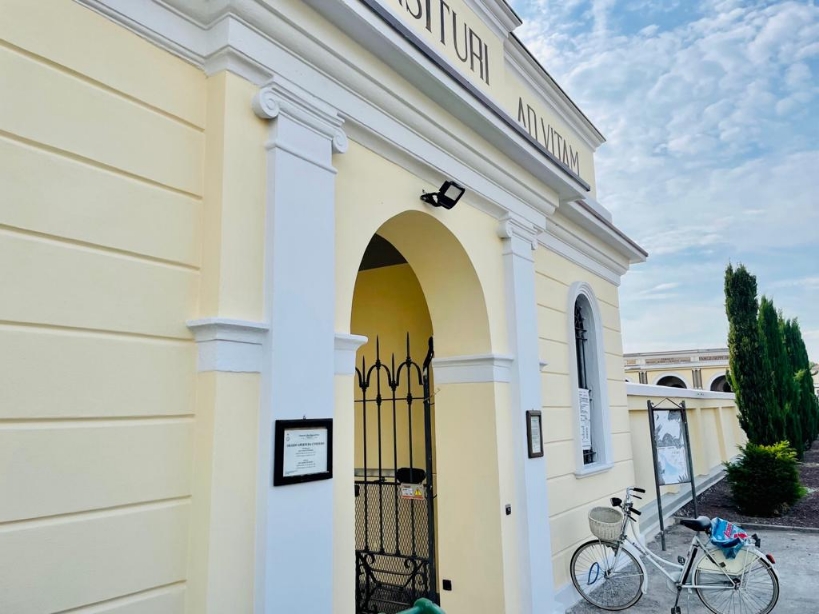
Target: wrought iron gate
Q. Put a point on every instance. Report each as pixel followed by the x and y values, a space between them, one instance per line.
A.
pixel 394 516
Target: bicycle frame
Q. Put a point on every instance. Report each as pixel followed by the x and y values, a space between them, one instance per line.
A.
pixel 680 573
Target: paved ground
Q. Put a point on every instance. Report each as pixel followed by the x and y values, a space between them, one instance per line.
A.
pixel 797 558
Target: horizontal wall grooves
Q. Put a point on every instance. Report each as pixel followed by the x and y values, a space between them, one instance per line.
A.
pixel 155 592
pixel 96 164
pixel 98 84
pixel 99 332
pixel 55 423
pixel 94 248
pixel 93 514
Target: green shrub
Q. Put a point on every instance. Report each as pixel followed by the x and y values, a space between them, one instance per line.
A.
pixel 765 479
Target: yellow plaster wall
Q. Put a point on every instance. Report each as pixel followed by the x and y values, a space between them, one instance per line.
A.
pixel 453 253
pixel 221 557
pixel 569 496
pixel 234 212
pixel 101 175
pixel 222 562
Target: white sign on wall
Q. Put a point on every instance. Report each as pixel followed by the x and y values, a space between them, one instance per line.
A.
pixel 305 452
pixel 584 402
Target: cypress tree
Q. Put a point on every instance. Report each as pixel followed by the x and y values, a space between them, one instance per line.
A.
pixel 805 399
pixel 747 359
pixel 784 419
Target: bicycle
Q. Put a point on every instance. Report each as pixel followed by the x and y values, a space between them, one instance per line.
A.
pixel 609 572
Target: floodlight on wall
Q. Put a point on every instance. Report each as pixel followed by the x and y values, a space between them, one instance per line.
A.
pixel 447 197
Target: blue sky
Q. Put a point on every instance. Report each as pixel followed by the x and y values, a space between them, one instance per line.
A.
pixel 711 113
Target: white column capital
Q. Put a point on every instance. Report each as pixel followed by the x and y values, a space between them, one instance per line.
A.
pixel 520 234
pixel 281 97
pixel 346 346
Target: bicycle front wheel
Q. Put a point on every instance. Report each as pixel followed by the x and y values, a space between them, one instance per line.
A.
pixel 746 585
pixel 606 575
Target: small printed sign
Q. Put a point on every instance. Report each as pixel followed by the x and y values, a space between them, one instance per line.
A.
pixel 584 403
pixel 534 433
pixel 412 491
pixel 303 451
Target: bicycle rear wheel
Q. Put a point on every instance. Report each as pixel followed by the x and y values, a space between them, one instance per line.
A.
pixel 749 586
pixel 606 575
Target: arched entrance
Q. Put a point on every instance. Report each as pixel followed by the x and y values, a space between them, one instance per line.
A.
pixel 394 438
pixel 415 279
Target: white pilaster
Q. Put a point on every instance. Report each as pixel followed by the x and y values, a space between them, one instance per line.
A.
pixel 535 548
pixel 295 522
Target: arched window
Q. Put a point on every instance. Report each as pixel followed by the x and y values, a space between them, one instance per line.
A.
pixel 720 384
pixel 672 381
pixel 588 381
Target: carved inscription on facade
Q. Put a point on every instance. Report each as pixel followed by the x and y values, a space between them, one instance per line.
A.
pixel 550 138
pixel 452 31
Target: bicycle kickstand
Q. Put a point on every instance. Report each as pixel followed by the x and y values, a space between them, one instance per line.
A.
pixel 677 609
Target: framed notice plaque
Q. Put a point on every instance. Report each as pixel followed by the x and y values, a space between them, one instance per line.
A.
pixel 534 433
pixel 302 451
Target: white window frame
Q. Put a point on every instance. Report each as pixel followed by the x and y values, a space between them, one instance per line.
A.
pixel 596 374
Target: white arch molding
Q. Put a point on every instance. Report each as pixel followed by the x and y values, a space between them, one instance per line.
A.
pixel 601 430
pixel 715 378
pixel 672 374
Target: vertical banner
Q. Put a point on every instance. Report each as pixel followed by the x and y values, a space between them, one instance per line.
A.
pixel 584 403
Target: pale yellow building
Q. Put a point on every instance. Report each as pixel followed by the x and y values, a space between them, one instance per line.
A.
pixel 694 369
pixel 211 229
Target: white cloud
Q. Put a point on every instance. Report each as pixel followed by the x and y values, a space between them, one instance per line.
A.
pixel 711 111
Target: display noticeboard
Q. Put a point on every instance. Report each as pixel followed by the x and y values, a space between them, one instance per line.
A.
pixel 672 447
pixel 303 451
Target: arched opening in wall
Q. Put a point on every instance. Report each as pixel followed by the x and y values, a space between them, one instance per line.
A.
pixel 671 381
pixel 415 279
pixel 720 384
pixel 394 435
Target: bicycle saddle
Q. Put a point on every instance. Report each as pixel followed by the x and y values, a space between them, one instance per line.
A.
pixel 701 523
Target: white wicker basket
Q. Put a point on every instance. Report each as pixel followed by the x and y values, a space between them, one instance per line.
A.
pixel 605 523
